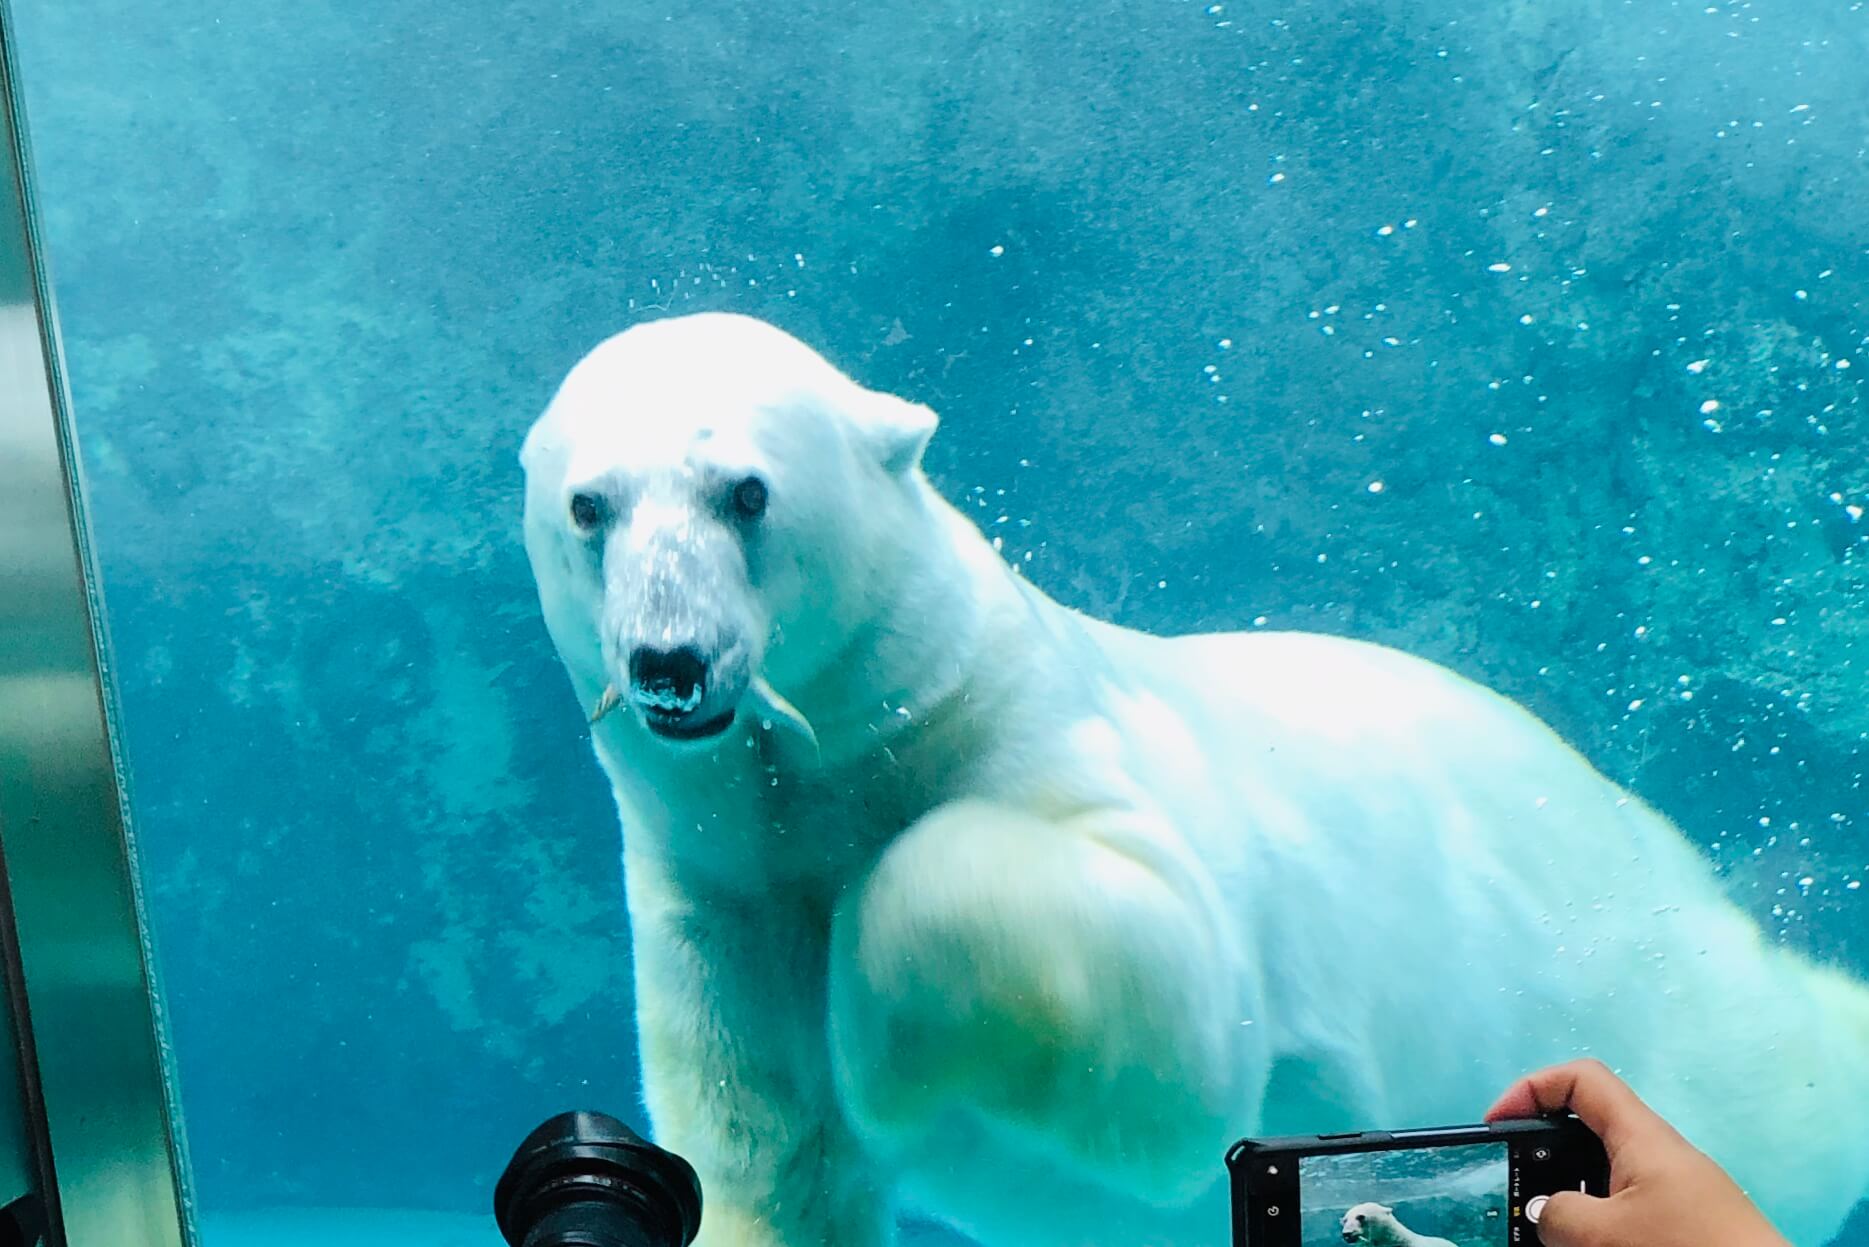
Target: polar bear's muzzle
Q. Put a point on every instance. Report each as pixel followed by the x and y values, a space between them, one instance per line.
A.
pixel 679 633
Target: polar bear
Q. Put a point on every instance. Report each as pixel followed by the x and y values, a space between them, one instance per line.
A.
pixel 1376 1226
pixel 946 898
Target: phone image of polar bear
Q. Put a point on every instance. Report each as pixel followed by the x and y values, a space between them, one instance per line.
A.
pixel 1419 1197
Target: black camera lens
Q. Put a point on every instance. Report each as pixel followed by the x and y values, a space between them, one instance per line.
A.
pixel 587 1180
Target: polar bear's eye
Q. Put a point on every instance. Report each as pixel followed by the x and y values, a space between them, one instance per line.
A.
pixel 749 498
pixel 587 511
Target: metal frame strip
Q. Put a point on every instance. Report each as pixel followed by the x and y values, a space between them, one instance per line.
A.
pixel 115 1164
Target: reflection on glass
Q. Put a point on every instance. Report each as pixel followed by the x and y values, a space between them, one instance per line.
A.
pixel 1521 344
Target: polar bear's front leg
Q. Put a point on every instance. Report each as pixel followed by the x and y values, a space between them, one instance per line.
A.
pixel 1073 983
pixel 736 1073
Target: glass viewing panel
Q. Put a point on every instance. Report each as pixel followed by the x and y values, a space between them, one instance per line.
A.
pixel 1525 342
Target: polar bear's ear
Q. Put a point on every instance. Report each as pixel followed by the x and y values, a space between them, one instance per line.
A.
pixel 897 430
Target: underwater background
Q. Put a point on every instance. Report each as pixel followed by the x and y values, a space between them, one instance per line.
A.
pixel 1526 336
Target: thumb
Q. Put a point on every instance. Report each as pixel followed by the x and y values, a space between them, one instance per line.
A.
pixel 1573 1219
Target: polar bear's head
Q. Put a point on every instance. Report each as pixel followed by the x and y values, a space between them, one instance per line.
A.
pixel 709 503
pixel 1368 1223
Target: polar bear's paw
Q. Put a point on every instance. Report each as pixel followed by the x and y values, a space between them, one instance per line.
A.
pixel 1066 983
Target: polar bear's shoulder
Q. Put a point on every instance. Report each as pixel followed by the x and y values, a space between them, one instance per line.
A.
pixel 1335 679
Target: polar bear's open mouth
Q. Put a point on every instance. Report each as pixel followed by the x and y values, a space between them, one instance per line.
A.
pixel 676 727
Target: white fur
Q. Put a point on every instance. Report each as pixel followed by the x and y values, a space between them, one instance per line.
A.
pixel 1052 912
pixel 1376 1226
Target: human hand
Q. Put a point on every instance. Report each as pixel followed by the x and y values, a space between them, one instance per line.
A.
pixel 1663 1192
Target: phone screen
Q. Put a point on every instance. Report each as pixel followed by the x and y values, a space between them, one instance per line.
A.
pixel 1457 1186
pixel 1413 1197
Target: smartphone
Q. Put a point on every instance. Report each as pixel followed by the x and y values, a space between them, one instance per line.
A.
pixel 1461 1186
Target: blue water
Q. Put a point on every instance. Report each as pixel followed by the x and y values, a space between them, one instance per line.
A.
pixel 1527 337
pixel 354 1227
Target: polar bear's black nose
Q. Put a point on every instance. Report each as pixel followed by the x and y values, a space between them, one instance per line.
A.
pixel 672 681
